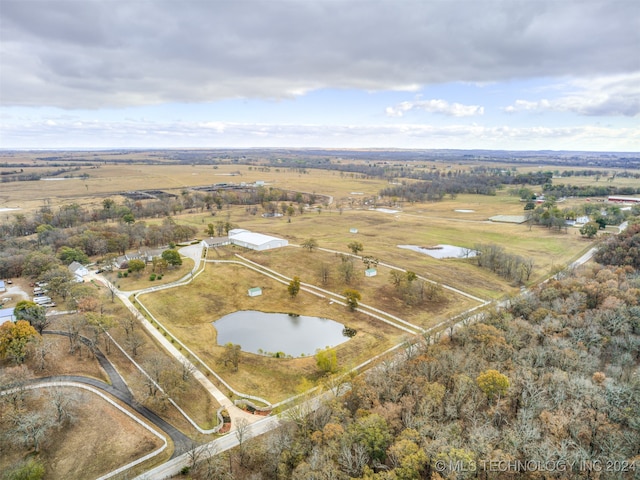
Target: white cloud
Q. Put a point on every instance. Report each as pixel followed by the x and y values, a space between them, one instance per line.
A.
pixel 617 95
pixel 435 106
pixel 145 134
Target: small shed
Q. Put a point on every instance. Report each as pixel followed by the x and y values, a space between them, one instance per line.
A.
pixel 3 287
pixel 254 292
pixel 353 230
pixel 370 272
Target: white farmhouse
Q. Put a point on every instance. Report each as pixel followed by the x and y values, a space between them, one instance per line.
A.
pixel 78 271
pixel 255 241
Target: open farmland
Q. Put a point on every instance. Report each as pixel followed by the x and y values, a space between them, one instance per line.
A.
pixel 335 209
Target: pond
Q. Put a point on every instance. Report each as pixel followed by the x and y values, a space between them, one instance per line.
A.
pixel 442 251
pixel 268 333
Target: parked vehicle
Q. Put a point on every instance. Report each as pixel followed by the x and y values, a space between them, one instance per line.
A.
pixel 41 300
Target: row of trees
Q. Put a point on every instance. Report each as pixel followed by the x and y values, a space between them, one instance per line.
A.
pixel 562 190
pixel 514 268
pixel 55 247
pixel 437 189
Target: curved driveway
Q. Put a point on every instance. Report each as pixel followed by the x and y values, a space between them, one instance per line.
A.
pixel 119 389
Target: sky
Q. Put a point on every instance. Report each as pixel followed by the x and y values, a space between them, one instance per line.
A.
pixel 474 74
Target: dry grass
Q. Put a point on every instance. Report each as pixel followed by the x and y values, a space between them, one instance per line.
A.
pixel 195 400
pixel 99 439
pixel 188 312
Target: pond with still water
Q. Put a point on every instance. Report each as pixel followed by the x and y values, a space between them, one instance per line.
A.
pixel 268 333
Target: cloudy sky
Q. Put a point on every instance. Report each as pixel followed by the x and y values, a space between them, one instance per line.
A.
pixel 497 74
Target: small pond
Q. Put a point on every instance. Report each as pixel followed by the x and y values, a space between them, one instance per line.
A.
pixel 268 333
pixel 386 210
pixel 442 251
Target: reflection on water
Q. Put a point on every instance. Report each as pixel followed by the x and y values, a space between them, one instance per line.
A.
pixel 442 251
pixel 270 333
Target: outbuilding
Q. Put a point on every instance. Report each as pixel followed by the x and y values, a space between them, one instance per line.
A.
pixel 254 292
pixel 255 241
pixel 370 272
pixel 6 315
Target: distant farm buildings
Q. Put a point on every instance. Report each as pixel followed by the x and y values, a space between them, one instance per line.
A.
pixel 255 241
pixel 615 199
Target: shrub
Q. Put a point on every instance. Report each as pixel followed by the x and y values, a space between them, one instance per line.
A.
pixel 152 277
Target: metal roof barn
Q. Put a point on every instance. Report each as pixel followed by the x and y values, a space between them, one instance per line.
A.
pixel 255 241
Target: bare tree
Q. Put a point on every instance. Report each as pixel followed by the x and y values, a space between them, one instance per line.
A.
pixel 187 369
pixel 64 400
pixel 242 434
pixel 128 322
pixel 196 454
pixel 30 427
pixel 324 272
pixel 73 325
pixel 42 350
pixel 14 380
pixel 133 342
pixel 352 459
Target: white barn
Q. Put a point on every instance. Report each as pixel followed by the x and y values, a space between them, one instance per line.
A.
pixel 255 241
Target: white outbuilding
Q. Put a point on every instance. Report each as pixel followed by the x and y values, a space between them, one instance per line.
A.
pixel 255 241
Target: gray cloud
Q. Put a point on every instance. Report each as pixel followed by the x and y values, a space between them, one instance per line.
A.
pixel 91 54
